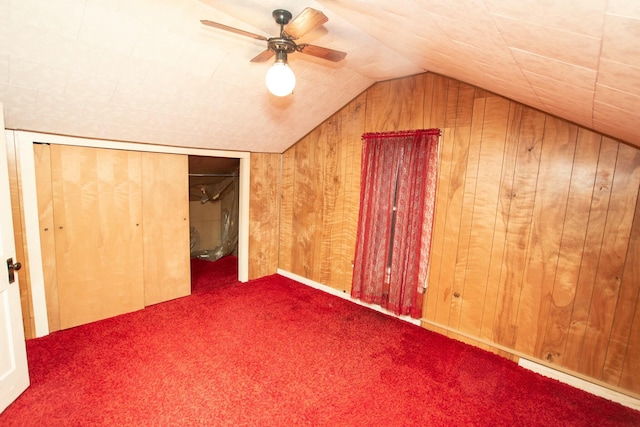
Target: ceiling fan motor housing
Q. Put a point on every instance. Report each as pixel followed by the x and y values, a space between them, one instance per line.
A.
pixel 280 44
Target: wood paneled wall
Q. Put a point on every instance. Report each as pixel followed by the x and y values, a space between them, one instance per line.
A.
pixel 536 244
pixel 320 199
pixel 264 211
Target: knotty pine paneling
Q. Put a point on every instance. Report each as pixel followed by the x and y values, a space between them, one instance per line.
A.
pixel 572 244
pixel 285 241
pixel 485 220
pixel 522 192
pixel 614 250
pixel 594 235
pixel 535 246
pixel 436 118
pixel 552 185
pixel 395 106
pixel 263 214
pixel 308 204
pixel 320 199
pixel 468 128
pixel 458 130
pixel 617 358
pixel 629 372
pixel 509 120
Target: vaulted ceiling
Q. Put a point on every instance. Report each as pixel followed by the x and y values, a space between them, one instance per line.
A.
pixel 149 71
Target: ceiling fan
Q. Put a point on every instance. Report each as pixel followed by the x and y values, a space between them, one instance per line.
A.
pixel 280 78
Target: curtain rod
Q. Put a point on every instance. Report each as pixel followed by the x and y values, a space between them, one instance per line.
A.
pixel 213 174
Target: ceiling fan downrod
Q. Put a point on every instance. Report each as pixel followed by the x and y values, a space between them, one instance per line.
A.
pixel 282 17
pixel 282 45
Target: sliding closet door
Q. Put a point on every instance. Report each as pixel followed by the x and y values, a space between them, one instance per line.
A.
pixel 98 232
pixel 44 187
pixel 165 201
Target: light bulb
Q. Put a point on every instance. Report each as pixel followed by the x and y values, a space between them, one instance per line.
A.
pixel 280 79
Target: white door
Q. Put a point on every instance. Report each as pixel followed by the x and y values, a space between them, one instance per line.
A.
pixel 14 375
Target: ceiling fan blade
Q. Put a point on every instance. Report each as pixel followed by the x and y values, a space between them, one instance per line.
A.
pixel 264 56
pixel 306 21
pixel 233 30
pixel 322 52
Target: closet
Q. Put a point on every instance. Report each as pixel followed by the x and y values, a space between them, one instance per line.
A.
pixel 114 227
pixel 213 206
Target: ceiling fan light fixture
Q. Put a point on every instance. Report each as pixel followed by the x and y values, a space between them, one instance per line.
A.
pixel 280 78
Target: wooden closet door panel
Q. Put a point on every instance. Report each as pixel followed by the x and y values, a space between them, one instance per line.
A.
pixel 165 201
pixel 98 232
pixel 42 161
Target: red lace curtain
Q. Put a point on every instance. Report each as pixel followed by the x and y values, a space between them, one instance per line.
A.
pixel 397 201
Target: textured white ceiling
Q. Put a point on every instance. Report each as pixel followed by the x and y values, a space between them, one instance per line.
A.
pixel 148 71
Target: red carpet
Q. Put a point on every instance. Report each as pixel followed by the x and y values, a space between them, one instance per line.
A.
pixel 207 276
pixel 273 352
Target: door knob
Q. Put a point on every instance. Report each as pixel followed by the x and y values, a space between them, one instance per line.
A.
pixel 13 267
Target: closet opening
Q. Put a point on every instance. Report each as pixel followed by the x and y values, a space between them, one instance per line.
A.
pixel 213 209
